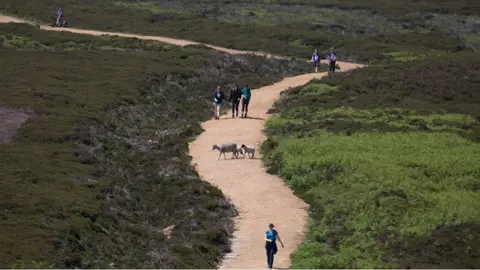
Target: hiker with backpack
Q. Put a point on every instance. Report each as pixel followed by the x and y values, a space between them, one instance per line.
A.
pixel 332 57
pixel 316 60
pixel 235 96
pixel 218 98
pixel 246 95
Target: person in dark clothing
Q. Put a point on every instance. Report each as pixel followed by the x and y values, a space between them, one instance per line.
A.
pixel 332 57
pixel 271 236
pixel 235 96
pixel 218 98
pixel 246 95
pixel 316 60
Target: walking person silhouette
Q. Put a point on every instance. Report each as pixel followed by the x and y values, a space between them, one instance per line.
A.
pixel 235 96
pixel 271 236
pixel 246 96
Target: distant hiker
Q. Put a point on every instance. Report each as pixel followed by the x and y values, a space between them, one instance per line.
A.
pixel 332 57
pixel 316 60
pixel 271 236
pixel 235 96
pixel 59 17
pixel 218 98
pixel 246 95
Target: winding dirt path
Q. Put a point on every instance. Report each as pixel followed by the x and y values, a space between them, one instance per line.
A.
pixel 260 198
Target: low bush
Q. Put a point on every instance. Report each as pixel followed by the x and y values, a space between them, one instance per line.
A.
pixel 377 154
pixel 100 170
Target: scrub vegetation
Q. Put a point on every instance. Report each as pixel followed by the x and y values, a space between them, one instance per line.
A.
pixel 368 31
pixel 387 157
pixel 94 135
pixel 94 131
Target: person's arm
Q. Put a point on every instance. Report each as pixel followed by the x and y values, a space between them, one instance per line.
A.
pixel 280 240
pixel 266 239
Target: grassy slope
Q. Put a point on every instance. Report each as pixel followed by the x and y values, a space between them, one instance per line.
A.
pixel 388 159
pixel 357 30
pixel 371 31
pixel 81 185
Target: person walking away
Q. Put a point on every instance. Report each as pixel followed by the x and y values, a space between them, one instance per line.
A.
pixel 332 56
pixel 246 95
pixel 316 60
pixel 271 236
pixel 235 96
pixel 218 98
pixel 59 17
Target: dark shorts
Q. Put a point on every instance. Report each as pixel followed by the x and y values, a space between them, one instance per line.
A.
pixel 245 101
pixel 316 63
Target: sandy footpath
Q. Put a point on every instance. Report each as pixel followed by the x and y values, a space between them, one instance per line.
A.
pixel 260 198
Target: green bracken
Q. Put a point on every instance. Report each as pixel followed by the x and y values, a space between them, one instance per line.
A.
pixel 391 173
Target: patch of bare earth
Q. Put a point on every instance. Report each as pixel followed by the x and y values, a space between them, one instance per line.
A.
pixel 11 120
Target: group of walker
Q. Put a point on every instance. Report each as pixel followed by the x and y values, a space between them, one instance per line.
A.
pixel 331 57
pixel 244 95
pixel 236 95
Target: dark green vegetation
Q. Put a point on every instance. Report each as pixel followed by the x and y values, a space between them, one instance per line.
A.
pixel 100 168
pixel 387 157
pixel 366 31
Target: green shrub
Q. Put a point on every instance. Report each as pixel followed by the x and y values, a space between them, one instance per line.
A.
pixel 376 152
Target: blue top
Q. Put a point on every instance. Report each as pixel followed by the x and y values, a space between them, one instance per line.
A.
pixel 246 92
pixel 332 56
pixel 272 235
pixel 316 56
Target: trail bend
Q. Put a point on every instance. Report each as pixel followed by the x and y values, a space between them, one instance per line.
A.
pixel 173 41
pixel 260 198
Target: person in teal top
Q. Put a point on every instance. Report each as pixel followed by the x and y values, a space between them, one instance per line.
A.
pixel 271 236
pixel 246 95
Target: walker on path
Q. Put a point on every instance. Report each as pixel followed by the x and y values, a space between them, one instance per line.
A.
pixel 60 22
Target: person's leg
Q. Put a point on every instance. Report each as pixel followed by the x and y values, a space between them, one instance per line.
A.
pixel 243 108
pixel 270 258
pixel 334 65
pixel 274 251
pixel 233 109
pixel 269 253
pixel 246 108
pixel 237 104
